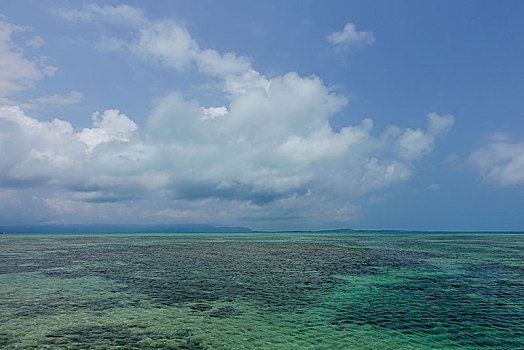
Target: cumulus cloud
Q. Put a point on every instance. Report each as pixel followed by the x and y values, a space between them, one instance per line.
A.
pixel 414 144
pixel 165 42
pixel 32 151
pixel 350 37
pixel 214 112
pixel 500 162
pixel 269 153
pixel 439 124
pixel 111 126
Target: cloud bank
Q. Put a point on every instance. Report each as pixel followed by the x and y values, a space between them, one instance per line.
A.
pixel 268 156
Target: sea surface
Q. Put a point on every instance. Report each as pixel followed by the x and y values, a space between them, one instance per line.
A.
pixel 262 291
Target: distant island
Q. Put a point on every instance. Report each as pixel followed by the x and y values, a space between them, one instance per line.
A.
pixel 182 228
pixel 175 228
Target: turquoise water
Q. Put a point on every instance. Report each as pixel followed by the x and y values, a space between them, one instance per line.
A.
pixel 262 291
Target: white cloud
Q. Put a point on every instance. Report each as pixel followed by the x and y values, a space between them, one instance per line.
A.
pixel 18 73
pixel 111 126
pixel 228 64
pixel 110 44
pixel 381 173
pixel 269 150
pixel 414 144
pixel 499 137
pixel 35 42
pixel 31 150
pixel 167 43
pixel 433 187
pixel 269 153
pixel 438 124
pixel 53 100
pixel 121 14
pixel 70 98
pixel 214 112
pixel 500 162
pixel 249 80
pixel 350 37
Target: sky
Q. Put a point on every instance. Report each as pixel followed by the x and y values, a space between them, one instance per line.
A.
pixel 273 115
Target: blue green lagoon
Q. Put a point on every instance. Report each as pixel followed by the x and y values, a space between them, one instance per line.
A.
pixel 262 291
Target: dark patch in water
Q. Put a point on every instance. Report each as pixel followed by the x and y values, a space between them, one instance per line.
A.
pixel 482 305
pixel 185 333
pixel 118 337
pixel 467 307
pixel 27 308
pixel 191 344
pixel 6 339
pixel 278 275
pixel 201 307
pixel 224 312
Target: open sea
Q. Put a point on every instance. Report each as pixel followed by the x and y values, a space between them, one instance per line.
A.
pixel 262 291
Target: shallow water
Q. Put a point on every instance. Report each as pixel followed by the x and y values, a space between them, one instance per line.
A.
pixel 262 291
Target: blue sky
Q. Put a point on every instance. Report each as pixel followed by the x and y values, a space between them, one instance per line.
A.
pixel 271 115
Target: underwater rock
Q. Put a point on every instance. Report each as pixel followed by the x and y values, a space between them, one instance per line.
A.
pixel 201 307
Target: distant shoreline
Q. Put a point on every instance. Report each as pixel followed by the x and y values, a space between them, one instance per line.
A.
pixel 202 229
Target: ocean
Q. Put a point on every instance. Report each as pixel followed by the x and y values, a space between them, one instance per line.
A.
pixel 262 291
